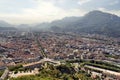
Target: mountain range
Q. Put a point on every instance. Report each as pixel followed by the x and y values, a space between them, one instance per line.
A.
pixel 6 26
pixel 94 22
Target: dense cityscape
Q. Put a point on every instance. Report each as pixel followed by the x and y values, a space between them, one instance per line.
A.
pixel 96 56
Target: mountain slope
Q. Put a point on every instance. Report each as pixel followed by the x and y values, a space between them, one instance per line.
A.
pixel 95 22
pixel 55 24
pixel 6 26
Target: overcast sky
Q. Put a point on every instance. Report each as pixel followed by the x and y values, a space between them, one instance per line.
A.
pixel 37 11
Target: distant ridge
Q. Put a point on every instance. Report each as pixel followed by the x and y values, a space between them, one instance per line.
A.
pixel 94 22
pixel 6 26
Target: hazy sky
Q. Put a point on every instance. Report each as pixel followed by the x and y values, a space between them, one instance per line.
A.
pixel 37 11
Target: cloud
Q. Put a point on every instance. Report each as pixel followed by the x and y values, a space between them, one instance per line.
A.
pixel 37 11
pixel 116 12
pixel 101 9
pixel 81 2
pixel 45 11
pixel 114 2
